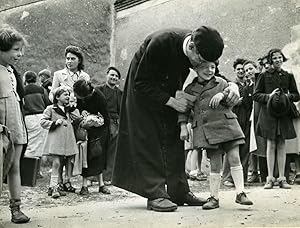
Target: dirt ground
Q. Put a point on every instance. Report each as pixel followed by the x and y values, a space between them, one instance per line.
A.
pixel 272 208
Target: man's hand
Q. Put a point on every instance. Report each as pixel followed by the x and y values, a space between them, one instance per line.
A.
pixel 180 104
pixel 233 95
pixel 215 100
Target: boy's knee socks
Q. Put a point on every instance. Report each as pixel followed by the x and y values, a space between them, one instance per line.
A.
pixel 238 178
pixel 214 184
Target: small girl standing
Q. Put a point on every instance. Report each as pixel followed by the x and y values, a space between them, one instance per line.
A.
pixel 216 129
pixel 60 141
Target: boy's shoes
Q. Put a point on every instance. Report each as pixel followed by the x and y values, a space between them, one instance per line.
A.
pixel 228 184
pixel 68 187
pixel 242 198
pixel 212 203
pixel 254 178
pixel 84 191
pixel 104 190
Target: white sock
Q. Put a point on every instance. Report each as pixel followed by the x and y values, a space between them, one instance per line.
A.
pixel 238 178
pixel 214 184
pixel 53 181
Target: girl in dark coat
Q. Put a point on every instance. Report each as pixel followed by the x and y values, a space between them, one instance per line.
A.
pixel 92 101
pixel 275 129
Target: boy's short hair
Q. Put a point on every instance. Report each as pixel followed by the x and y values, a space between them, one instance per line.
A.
pixel 115 69
pixel 30 77
pixel 59 91
pixel 8 37
pixel 250 62
pixel 45 72
pixel 238 61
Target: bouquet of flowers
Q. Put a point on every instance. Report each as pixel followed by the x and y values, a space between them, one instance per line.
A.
pixel 91 120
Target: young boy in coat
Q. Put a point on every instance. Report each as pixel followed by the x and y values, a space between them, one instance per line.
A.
pixel 216 129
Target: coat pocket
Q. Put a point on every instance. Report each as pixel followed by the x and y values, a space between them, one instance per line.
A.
pixel 231 115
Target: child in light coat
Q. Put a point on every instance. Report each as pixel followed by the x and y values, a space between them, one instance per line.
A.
pixel 60 142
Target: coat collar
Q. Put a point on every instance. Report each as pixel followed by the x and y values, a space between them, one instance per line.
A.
pixel 199 89
pixel 66 72
pixel 59 111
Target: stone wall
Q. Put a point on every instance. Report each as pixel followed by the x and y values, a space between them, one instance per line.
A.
pixel 51 25
pixel 249 27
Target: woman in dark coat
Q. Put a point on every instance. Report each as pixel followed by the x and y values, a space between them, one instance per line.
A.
pixel 275 129
pixel 92 101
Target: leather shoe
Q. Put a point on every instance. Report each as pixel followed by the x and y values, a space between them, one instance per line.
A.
pixel 191 200
pixel 161 205
pixel 212 203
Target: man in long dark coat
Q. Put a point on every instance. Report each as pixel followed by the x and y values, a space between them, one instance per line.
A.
pixel 150 154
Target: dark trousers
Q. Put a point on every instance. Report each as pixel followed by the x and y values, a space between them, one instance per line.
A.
pixel 111 152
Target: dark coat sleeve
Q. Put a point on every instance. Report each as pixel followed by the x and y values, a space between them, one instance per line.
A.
pixel 150 69
pixel 102 104
pixel 259 94
pixel 183 117
pixel 293 94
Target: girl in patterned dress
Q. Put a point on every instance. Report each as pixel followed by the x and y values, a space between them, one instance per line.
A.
pixel 11 95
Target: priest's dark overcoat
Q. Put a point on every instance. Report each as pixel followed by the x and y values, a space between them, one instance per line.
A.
pixel 150 153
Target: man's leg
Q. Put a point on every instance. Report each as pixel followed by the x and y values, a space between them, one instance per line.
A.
pixel 111 152
pixel 177 185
